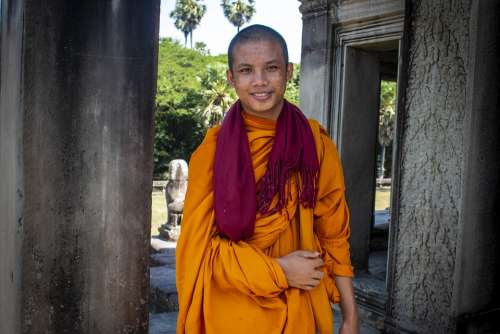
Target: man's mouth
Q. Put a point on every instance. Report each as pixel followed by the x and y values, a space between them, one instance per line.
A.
pixel 261 96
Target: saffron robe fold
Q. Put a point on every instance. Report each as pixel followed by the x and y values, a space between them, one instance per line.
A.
pixel 239 287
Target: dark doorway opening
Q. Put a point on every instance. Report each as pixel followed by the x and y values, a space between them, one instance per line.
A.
pixel 366 131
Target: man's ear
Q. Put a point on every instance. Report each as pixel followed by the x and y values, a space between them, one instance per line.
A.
pixel 229 76
pixel 289 71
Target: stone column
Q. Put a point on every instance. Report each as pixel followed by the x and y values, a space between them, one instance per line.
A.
pixel 76 116
pixel 445 248
pixel 11 178
pixel 316 59
pixel 476 289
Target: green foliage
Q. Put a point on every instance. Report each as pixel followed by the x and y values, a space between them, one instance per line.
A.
pixel 177 134
pixel 216 92
pixel 292 87
pixel 202 48
pixel 387 112
pixel 238 12
pixel 179 124
pixel 187 15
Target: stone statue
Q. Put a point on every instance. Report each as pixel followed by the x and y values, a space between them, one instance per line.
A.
pixel 175 192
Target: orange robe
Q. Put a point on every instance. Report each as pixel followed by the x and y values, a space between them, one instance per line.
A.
pixel 239 287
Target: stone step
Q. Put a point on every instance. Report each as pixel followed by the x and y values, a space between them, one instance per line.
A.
pixel 162 323
pixel 162 259
pixel 162 291
pixel 161 246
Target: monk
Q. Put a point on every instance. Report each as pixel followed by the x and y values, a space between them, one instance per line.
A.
pixel 264 240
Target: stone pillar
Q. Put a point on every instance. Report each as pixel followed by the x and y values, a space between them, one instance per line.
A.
pixel 316 60
pixel 445 248
pixel 76 148
pixel 476 289
pixel 11 176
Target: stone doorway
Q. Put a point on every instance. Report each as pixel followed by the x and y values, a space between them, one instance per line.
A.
pixel 368 165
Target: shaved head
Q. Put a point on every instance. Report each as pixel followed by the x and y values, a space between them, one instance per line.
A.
pixel 255 33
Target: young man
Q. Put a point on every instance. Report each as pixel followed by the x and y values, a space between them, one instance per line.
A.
pixel 264 240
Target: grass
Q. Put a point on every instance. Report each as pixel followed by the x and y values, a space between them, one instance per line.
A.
pixel 158 211
pixel 382 199
pixel 159 207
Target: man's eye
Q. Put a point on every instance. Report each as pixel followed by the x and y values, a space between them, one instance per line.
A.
pixel 244 70
pixel 272 68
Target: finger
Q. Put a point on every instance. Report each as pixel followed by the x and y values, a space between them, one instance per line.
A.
pixel 312 285
pixel 318 275
pixel 308 254
pixel 318 262
pixel 307 287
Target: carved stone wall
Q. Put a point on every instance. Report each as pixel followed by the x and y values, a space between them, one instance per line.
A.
pixel 432 155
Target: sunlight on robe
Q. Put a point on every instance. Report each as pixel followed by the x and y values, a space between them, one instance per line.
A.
pixel 239 287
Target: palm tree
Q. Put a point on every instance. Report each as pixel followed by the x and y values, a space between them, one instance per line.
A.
pixel 187 15
pixel 238 12
pixel 217 94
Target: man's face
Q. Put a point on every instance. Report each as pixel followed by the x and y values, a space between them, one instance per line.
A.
pixel 259 76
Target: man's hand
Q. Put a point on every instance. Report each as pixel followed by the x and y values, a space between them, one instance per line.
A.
pixel 302 269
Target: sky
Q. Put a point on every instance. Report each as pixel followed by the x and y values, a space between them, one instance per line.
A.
pixel 216 31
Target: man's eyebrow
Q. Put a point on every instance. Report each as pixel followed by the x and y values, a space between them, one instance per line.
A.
pixel 272 61
pixel 244 65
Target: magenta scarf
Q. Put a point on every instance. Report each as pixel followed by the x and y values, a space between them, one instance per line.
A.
pixel 237 197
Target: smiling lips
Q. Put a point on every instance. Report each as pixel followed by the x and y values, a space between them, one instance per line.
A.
pixel 261 96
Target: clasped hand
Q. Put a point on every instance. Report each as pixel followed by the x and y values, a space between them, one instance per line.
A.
pixel 302 269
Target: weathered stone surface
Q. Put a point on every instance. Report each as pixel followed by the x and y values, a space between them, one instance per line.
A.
pixel 163 253
pixel 477 288
pixel 82 139
pixel 11 179
pixel 431 166
pixel 162 259
pixel 315 66
pixel 162 246
pixel 163 294
pixel 177 181
pixel 162 323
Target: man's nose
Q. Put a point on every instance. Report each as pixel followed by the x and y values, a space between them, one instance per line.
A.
pixel 260 78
